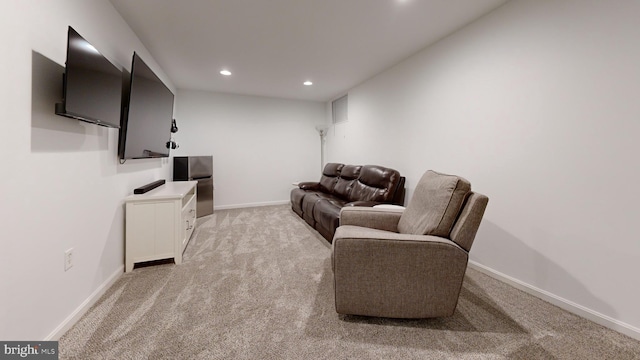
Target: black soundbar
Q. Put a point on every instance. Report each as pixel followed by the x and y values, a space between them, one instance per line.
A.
pixel 149 186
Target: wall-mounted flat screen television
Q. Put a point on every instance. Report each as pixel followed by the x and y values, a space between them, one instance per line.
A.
pixel 92 85
pixel 147 112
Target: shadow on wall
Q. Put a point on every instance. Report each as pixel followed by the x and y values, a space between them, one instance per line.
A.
pixel 533 267
pixel 137 165
pixel 115 243
pixel 52 133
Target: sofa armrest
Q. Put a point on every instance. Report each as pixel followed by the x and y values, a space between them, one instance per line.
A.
pixel 309 185
pixel 369 217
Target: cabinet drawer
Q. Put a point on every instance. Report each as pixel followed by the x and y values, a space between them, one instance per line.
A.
pixel 188 221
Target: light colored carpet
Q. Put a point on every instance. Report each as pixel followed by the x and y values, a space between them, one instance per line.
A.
pixel 256 283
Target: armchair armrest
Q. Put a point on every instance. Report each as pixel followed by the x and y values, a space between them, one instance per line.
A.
pixel 369 217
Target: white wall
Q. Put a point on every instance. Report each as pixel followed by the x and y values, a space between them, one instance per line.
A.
pixel 259 145
pixel 61 184
pixel 537 105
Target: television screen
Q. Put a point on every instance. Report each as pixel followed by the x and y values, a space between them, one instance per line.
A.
pixel 92 85
pixel 147 113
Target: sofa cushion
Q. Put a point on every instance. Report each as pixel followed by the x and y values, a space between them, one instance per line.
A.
pixel 329 178
pixel 435 205
pixel 375 183
pixel 348 176
pixel 307 205
pixel 296 199
pixel 327 214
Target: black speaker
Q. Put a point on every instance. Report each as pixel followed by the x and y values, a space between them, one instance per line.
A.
pixel 172 145
pixel 148 187
pixel 174 126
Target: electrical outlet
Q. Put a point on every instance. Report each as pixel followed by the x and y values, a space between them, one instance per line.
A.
pixel 68 259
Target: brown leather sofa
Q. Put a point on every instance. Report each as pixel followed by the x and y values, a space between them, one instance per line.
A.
pixel 319 203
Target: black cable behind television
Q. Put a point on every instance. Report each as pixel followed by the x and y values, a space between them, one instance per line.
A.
pixel 92 85
pixel 147 113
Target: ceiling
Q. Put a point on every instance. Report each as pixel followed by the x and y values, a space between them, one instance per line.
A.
pixel 273 46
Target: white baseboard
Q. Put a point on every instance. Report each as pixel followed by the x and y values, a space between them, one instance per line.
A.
pixel 84 307
pixel 560 302
pixel 247 205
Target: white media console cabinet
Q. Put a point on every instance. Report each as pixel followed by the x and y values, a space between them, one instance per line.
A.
pixel 159 223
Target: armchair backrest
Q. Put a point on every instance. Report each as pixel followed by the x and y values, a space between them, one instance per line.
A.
pixel 435 205
pixel 444 205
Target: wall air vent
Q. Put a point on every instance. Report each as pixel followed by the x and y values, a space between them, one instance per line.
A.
pixel 339 109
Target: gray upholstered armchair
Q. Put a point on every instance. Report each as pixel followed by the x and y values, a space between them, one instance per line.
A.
pixel 411 263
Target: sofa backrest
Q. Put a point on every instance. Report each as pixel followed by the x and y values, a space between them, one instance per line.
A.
pixel 375 183
pixel 398 196
pixel 348 176
pixel 330 175
pixel 363 183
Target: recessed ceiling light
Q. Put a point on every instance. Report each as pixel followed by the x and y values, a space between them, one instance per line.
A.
pixel 308 83
pixel 225 72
